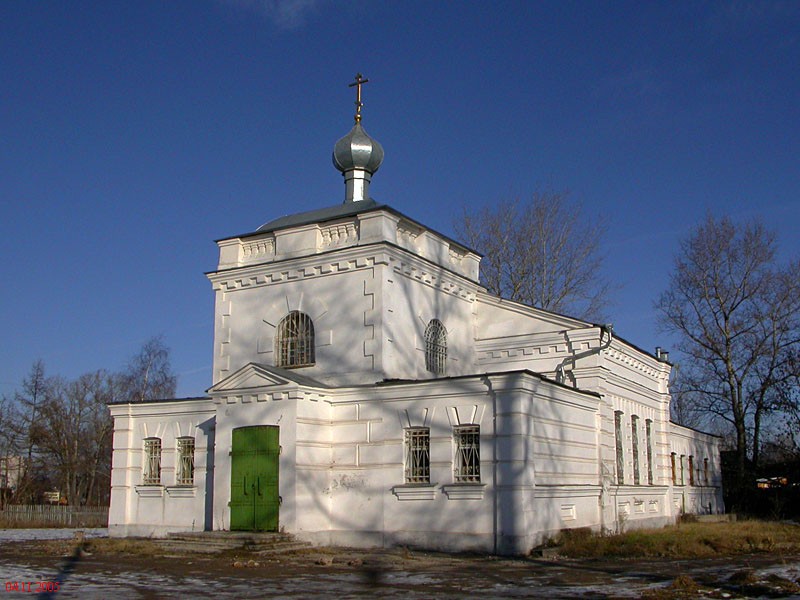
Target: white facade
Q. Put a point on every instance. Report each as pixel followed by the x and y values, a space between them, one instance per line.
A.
pixel 572 422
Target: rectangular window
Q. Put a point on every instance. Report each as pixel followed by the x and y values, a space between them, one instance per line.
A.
pixel 674 469
pixel 683 476
pixel 418 455
pixel 467 467
pixel 152 461
pixel 620 455
pixel 185 474
pixel 705 470
pixel 649 440
pixel 691 470
pixel 635 447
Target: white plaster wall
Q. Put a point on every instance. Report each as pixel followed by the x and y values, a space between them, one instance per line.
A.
pixel 369 454
pixel 498 318
pixel 700 497
pixel 341 304
pixel 237 411
pixel 413 294
pixel 154 510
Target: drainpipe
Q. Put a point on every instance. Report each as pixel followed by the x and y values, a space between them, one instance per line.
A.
pixel 561 373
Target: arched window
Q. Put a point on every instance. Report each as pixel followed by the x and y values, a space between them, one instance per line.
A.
pixel 436 347
pixel 294 341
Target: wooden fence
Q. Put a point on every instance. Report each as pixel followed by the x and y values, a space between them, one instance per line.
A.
pixel 53 515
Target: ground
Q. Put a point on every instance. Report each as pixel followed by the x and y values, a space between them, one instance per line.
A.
pixel 109 568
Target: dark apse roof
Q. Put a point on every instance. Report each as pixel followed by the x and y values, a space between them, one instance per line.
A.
pixel 322 214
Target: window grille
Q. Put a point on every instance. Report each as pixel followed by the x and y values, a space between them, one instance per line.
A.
pixel 635 447
pixel 185 461
pixel 649 435
pixel 294 341
pixel 618 440
pixel 152 461
pixel 418 455
pixel 467 468
pixel 436 347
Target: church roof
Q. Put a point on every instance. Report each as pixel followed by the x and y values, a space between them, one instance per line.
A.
pixel 321 214
pixel 331 213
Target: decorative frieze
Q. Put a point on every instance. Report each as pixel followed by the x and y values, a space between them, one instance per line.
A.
pixel 407 234
pixel 447 285
pixel 625 358
pixel 296 273
pixel 341 234
pixel 260 249
pixel 456 256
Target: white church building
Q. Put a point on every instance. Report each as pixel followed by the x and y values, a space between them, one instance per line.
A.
pixel 368 391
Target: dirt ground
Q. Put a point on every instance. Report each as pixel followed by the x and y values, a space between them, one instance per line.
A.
pixel 100 571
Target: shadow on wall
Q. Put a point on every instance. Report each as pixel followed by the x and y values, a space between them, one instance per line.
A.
pixel 208 427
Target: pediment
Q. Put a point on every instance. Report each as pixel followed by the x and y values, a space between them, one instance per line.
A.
pixel 250 377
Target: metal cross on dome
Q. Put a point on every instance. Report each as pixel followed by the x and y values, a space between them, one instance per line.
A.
pixel 359 81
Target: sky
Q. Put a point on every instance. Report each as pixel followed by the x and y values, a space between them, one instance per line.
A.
pixel 134 134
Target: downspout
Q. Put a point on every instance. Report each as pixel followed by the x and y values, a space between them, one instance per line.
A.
pixel 561 373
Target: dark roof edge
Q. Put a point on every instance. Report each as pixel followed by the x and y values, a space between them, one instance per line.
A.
pixel 157 400
pixel 544 378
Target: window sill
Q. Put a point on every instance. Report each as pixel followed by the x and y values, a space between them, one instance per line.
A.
pixel 150 491
pixel 182 491
pixel 415 491
pixel 464 491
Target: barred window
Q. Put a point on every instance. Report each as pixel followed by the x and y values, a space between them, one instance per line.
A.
pixel 152 461
pixel 436 347
pixel 467 467
pixel 418 455
pixel 185 474
pixel 635 447
pixel 618 444
pixel 294 341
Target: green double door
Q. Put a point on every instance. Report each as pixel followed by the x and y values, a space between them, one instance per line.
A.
pixel 254 479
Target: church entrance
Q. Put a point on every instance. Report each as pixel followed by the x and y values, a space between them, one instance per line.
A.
pixel 254 478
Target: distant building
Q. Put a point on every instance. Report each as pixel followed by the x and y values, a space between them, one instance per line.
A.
pixel 368 391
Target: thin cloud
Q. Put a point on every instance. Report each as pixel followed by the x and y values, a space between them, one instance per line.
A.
pixel 284 14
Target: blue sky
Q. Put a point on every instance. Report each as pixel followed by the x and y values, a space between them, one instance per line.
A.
pixel 133 134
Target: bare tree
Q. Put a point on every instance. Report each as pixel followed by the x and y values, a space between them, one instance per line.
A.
pixel 543 253
pixel 24 411
pixel 737 314
pixel 149 375
pixel 73 432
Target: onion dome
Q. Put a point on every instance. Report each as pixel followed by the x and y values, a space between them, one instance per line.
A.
pixel 357 150
pixel 357 155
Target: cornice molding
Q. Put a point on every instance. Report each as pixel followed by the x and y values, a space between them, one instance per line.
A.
pixel 349 259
